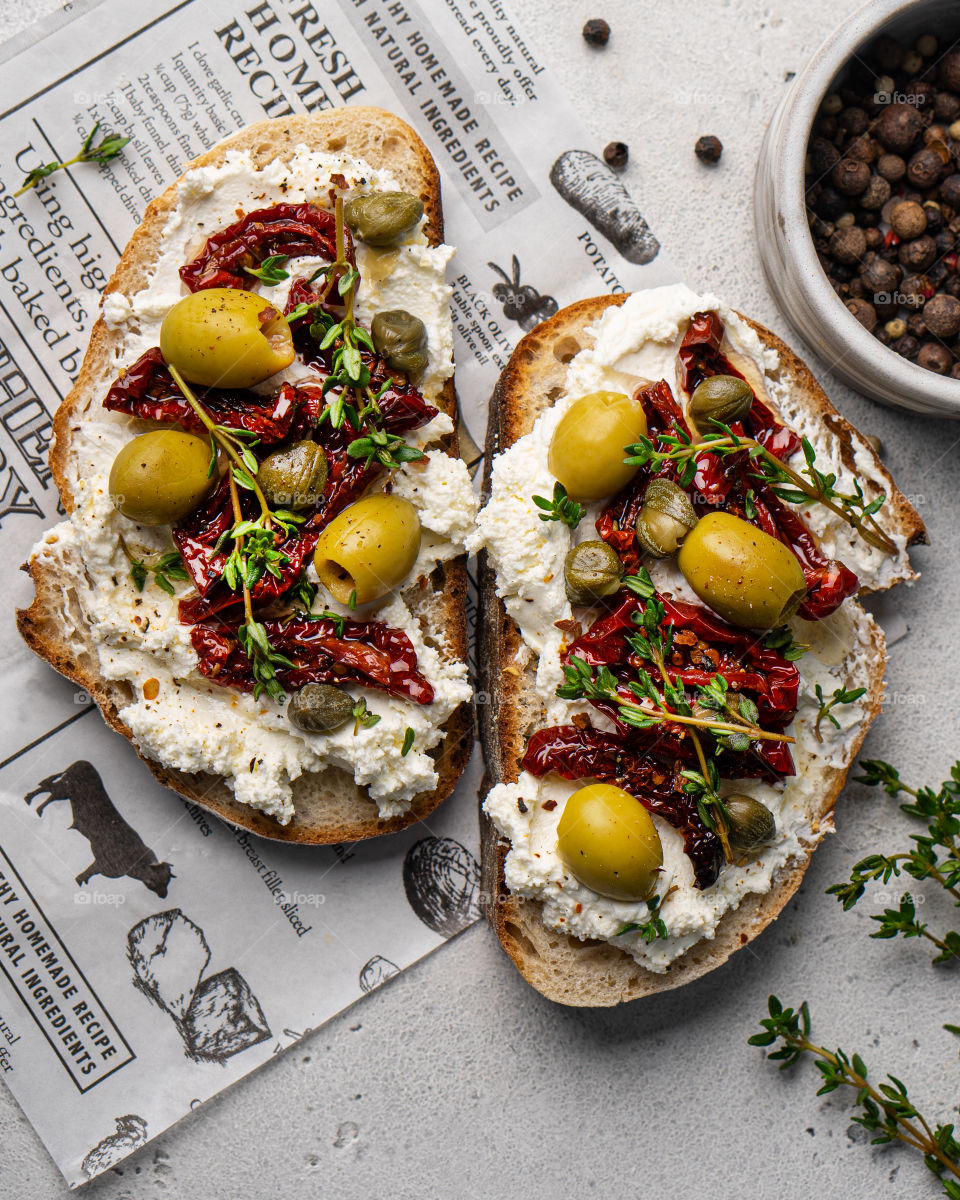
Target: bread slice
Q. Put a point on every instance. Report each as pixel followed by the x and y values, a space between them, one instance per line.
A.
pixel 596 973
pixel 330 806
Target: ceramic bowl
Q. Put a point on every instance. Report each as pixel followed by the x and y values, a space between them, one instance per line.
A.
pixel 786 247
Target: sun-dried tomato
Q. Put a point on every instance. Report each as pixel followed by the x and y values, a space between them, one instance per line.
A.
pixel 294 230
pixel 365 652
pixel 592 754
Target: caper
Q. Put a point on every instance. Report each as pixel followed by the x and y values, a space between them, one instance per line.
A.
pixel 319 708
pixel 384 217
pixel 665 519
pixel 591 570
pixel 751 825
pixel 723 398
pixel 295 476
pixel 400 339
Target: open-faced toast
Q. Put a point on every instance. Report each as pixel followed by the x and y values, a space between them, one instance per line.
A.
pixel 584 971
pixel 329 805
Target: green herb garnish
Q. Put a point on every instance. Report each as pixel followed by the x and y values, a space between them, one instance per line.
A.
pixel 560 508
pixel 107 148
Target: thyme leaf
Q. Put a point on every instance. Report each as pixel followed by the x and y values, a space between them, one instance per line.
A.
pixel 560 508
pixel 109 147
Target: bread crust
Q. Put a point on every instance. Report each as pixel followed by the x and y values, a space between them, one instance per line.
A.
pixel 563 968
pixel 329 806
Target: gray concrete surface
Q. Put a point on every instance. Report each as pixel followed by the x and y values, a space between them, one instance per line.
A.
pixel 457 1080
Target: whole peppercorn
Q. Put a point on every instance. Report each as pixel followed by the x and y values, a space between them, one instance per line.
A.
pixel 926 45
pixel 934 215
pixel 824 156
pixel 945 242
pixel 932 356
pixel 832 104
pixel 920 93
pixel 882 336
pixel 615 154
pixel 946 107
pixel 941 315
pixel 908 220
pixel 949 70
pixel 875 195
pixel 885 309
pixel 856 288
pixel 919 254
pixel 867 218
pixel 923 170
pixel 848 245
pixel 950 190
pixel 864 312
pixel 874 238
pixel 916 326
pixel 955 371
pixel 891 167
pixel 905 346
pixel 952 286
pixel 850 176
pixel 914 291
pixel 898 126
pixel 862 147
pixel 845 220
pixel 843 272
pixel 827 127
pixel 881 276
pixel 596 32
pixel 708 149
pixel 888 53
pixel 938 273
pixel 895 328
pixel 854 120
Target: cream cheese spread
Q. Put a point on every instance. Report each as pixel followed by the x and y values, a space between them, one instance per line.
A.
pixel 189 723
pixel 629 344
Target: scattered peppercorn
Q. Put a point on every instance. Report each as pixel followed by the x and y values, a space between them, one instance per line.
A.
pixel 708 149
pixel 615 154
pixel 596 32
pixel 865 313
pixel 942 316
pixel 935 357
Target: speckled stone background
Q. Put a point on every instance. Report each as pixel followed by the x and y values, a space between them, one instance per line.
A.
pixel 457 1080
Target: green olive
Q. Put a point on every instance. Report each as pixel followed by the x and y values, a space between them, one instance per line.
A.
pixel 591 570
pixel 587 449
pixel 725 398
pixel 607 839
pixel 751 825
pixel 747 576
pixel 401 340
pixel 384 217
pixel 368 549
pixel 223 337
pixel 295 476
pixel 319 708
pixel 666 518
pixel 160 477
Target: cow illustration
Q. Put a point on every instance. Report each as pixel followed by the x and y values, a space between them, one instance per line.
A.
pixel 117 847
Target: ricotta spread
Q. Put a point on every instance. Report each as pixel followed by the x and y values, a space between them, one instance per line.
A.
pixel 630 344
pixel 189 723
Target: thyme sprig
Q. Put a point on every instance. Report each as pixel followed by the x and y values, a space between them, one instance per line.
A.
pixel 650 929
pixel 255 540
pixel 886 1109
pixel 165 569
pixel 385 448
pixel 270 271
pixel 560 507
pixel 109 147
pixel 809 486
pixel 363 718
pixel 782 639
pixel 935 855
pixel 840 695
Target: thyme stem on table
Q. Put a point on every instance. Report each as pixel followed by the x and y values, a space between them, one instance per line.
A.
pixel 886 1109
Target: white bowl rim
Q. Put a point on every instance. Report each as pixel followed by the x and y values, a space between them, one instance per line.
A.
pixel 809 89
